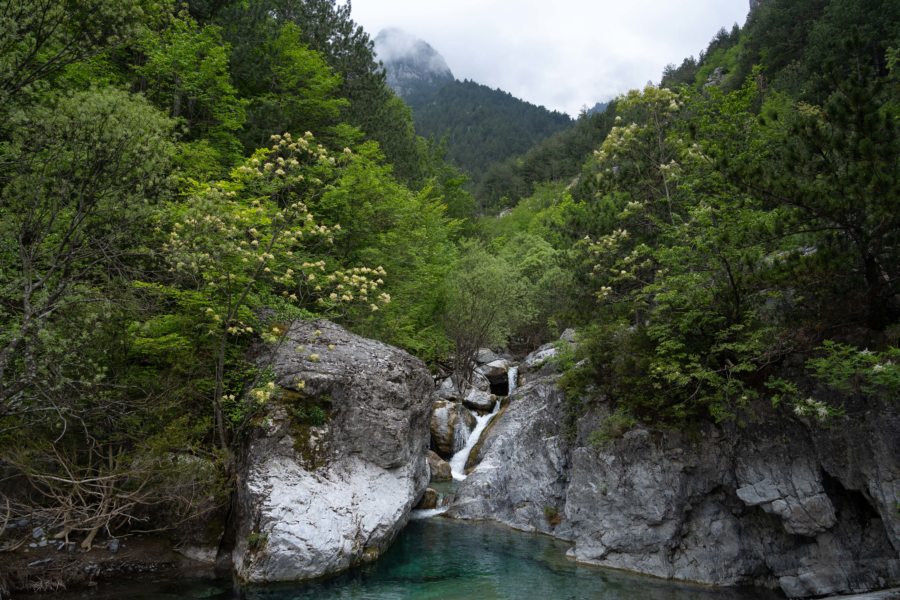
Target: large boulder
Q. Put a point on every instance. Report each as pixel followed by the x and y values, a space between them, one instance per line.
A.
pixel 494 371
pixel 479 401
pixel 781 502
pixel 451 424
pixel 521 479
pixel 439 468
pixel 337 464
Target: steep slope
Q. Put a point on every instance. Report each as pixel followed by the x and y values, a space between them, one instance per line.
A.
pixel 481 126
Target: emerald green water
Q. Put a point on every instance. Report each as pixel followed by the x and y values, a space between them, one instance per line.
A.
pixel 439 559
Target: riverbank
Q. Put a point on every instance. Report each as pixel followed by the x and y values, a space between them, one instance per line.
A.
pixel 53 567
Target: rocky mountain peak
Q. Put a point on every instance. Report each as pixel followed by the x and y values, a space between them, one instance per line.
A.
pixel 412 65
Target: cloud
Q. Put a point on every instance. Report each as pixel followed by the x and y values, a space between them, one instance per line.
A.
pixel 392 43
pixel 564 54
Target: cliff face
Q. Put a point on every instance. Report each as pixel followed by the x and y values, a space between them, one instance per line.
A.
pixel 335 468
pixel 781 503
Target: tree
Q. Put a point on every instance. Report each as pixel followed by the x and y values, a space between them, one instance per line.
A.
pixel 483 303
pixel 84 170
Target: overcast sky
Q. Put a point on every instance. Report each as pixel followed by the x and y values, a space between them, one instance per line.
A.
pixel 562 54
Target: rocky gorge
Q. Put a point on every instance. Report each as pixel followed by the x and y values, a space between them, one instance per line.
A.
pixel 781 502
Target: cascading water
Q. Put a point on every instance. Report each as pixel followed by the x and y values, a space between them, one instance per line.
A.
pixel 512 376
pixel 458 462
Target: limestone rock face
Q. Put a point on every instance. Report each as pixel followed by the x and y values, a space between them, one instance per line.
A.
pixel 782 503
pixel 317 496
pixel 451 424
pixel 521 477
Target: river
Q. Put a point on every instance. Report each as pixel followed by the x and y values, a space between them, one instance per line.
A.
pixel 440 559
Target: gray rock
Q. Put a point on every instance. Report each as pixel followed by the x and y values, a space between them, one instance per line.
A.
pixel 317 499
pixel 438 467
pixel 429 500
pixel 569 335
pixel 539 357
pixel 778 503
pixel 451 423
pixel 485 356
pixel 447 390
pixel 37 533
pixel 202 554
pixel 521 476
pixel 113 546
pixel 480 401
pixel 495 370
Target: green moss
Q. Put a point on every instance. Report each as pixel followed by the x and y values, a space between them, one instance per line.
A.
pixel 305 413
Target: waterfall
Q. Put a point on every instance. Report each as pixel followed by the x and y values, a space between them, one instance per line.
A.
pixel 458 462
pixel 513 378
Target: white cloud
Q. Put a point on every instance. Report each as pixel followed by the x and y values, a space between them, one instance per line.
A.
pixel 564 54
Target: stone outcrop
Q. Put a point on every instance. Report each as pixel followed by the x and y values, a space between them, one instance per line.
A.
pixel 438 467
pixel 451 424
pixel 782 503
pixel 340 460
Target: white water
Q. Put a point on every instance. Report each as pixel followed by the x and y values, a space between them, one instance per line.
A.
pixel 458 462
pixel 513 379
pixel 428 513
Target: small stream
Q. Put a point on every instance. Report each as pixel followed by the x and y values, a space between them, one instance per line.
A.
pixel 440 559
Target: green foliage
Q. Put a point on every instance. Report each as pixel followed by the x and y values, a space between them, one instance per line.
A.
pixel 614 426
pixel 484 303
pixel 482 126
pixel 185 71
pixel 852 371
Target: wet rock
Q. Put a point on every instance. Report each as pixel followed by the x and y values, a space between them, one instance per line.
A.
pixel 439 468
pixel 113 546
pixel 779 503
pixel 451 424
pixel 429 500
pixel 308 510
pixel 522 473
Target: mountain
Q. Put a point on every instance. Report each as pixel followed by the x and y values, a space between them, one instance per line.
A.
pixel 414 69
pixel 481 126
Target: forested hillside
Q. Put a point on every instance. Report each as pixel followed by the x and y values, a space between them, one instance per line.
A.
pixel 181 181
pixel 478 126
pixel 734 239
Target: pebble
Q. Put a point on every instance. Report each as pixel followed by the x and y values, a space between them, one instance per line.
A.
pixel 37 533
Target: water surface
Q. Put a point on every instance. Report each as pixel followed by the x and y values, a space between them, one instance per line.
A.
pixel 440 559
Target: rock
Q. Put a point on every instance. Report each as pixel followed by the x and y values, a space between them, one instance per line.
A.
pixel 496 370
pixel 113 545
pixel 37 533
pixel 439 468
pixel 321 494
pixel 485 356
pixel 451 424
pixel 429 500
pixel 777 503
pixel 447 390
pixel 202 554
pixel 540 357
pixel 569 336
pixel 480 401
pixel 523 464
